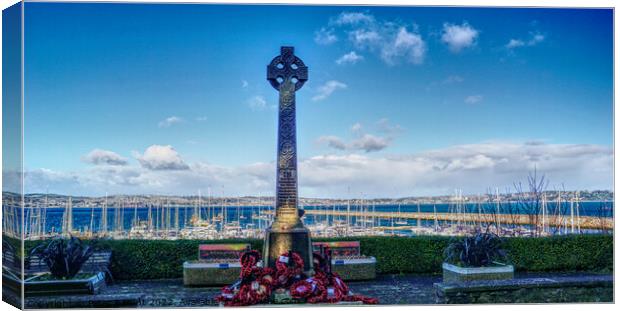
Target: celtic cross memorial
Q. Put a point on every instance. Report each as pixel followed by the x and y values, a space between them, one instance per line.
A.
pixel 287 74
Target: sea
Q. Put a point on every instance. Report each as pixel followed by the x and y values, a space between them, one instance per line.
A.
pixel 247 216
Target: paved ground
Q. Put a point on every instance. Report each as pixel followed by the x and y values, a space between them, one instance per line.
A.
pixel 389 289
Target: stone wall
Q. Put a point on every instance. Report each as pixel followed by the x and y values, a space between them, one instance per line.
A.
pixel 597 288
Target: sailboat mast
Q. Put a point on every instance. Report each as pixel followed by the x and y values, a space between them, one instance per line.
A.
pixel 70 217
pixel 121 218
pixel 168 217
pixel 209 211
pixel 199 207
pixel 348 209
pixel 499 215
pixel 577 210
pixel 92 219
pixel 479 212
pixel 572 215
pixel 419 219
pixel 149 217
pixel 176 218
pixel 544 212
pixel 104 216
pixel 435 216
pixel 374 217
pixel 45 216
pixel 239 211
pixel 259 213
pixel 136 220
pixel 559 208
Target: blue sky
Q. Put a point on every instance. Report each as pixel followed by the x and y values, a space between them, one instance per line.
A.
pixel 140 98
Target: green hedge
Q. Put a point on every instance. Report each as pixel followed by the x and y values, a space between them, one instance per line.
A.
pixel 155 259
pixel 424 254
pixel 594 253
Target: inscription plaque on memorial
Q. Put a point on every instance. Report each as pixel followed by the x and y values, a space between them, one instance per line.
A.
pixel 287 74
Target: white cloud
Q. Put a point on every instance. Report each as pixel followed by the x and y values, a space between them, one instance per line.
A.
pixel 386 127
pixel 244 84
pixel 393 42
pixel 535 38
pixel 333 142
pixel 473 99
pixel 369 143
pixel 365 38
pixel 472 167
pixel 325 36
pixel 349 58
pixel 170 121
pixel 407 45
pixel 453 79
pixel 353 18
pixel 356 128
pixel 459 37
pixel 363 141
pixel 158 157
pixel 366 143
pixel 104 157
pixel 201 119
pixel 245 179
pixel 327 89
pixel 257 103
pixel 514 43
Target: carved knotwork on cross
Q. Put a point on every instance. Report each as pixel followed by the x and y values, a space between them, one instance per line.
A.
pixel 287 74
pixel 287 67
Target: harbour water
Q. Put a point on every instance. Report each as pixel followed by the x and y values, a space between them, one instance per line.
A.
pixel 122 220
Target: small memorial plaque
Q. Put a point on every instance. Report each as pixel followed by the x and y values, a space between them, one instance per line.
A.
pixel 210 252
pixel 340 249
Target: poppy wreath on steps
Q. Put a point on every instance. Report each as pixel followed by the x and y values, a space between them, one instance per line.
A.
pixel 312 289
pixel 254 284
pixel 289 269
pixel 335 289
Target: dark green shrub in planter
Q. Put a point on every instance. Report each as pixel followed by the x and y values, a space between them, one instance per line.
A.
pixel 478 257
pixel 480 250
pixel 63 257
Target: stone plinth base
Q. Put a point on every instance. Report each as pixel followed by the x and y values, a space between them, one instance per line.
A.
pixel 528 290
pixel 282 298
pixel 355 269
pixel 196 273
pixel 279 241
pixel 452 273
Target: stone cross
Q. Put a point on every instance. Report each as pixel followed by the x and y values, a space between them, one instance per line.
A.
pixel 287 74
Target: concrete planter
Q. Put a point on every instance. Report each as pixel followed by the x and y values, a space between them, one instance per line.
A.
pixel 91 285
pixel 452 273
pixel 355 269
pixel 197 273
pixel 200 273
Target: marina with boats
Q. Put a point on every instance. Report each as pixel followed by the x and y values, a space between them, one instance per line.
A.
pixel 213 218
